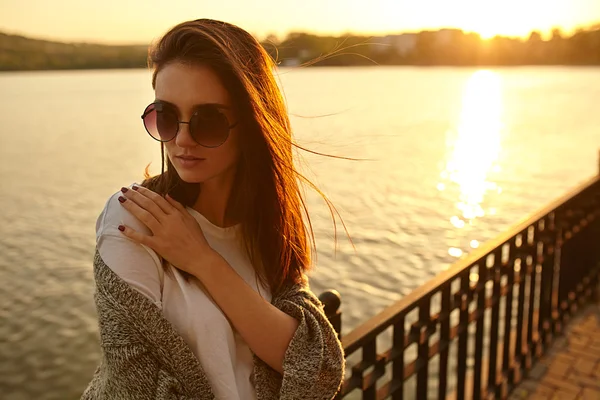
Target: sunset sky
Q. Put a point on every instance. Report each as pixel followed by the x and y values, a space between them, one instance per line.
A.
pixel 140 21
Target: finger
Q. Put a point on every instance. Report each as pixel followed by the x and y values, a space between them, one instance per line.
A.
pixel 140 213
pixel 164 205
pixel 136 236
pixel 176 204
pixel 146 203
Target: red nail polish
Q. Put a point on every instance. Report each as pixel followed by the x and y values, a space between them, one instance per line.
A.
pixel 122 199
pixel 121 228
pixel 135 188
pixel 124 189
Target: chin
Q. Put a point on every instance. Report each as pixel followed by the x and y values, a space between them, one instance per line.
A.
pixel 192 177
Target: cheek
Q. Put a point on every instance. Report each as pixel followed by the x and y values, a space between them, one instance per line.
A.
pixel 230 150
pixel 169 150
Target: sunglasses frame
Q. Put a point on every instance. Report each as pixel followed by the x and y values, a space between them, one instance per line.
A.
pixel 160 104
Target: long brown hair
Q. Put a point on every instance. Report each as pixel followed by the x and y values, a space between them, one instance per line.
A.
pixel 266 197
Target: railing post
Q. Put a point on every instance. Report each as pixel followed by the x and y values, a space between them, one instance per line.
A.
pixel 549 240
pixel 464 298
pixel 596 284
pixel 423 331
pixel 332 301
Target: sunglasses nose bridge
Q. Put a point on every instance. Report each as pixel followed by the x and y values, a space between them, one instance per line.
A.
pixel 181 136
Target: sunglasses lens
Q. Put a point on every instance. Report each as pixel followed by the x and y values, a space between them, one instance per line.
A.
pixel 209 127
pixel 161 125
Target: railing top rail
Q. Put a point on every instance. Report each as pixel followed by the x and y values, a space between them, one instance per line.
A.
pixel 352 341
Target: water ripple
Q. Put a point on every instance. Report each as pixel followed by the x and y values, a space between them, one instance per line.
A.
pixel 399 208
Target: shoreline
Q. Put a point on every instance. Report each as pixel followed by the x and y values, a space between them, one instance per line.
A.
pixel 424 66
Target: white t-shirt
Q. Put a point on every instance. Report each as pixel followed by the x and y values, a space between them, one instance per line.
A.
pixel 223 354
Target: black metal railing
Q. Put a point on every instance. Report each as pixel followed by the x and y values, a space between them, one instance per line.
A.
pixel 476 329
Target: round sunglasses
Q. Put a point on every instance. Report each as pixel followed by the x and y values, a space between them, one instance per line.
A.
pixel 208 125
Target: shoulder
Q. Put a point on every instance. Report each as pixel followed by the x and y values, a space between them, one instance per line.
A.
pixel 135 263
pixel 114 214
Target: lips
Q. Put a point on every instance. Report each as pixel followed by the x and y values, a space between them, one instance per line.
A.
pixel 188 161
pixel 190 158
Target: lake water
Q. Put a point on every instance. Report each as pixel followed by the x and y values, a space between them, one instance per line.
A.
pixel 454 156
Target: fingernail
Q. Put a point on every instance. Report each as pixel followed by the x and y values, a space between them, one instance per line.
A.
pixel 135 188
pixel 122 199
pixel 121 228
pixel 124 189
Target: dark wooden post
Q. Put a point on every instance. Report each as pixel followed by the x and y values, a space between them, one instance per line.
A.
pixel 332 301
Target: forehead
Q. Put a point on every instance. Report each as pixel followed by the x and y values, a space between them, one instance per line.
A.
pixel 188 85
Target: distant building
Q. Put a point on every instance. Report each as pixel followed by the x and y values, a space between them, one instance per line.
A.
pixel 290 62
pixel 402 44
pixel 304 54
pixel 444 37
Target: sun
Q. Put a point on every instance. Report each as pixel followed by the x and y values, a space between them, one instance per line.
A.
pixel 487 32
pixel 490 18
pixel 488 26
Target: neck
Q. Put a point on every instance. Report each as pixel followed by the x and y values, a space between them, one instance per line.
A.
pixel 213 199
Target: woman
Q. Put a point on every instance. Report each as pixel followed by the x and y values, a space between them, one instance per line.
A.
pixel 200 272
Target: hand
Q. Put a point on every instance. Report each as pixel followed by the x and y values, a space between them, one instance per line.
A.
pixel 176 235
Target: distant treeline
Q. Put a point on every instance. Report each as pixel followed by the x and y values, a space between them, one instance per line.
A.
pixel 443 47
pixel 21 53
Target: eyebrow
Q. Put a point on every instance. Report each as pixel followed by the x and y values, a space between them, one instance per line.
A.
pixel 218 105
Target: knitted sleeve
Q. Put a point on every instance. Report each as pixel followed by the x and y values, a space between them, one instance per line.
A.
pixel 314 363
pixel 117 376
pixel 126 370
pixel 142 356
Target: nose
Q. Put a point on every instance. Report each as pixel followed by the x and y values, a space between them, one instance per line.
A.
pixel 184 137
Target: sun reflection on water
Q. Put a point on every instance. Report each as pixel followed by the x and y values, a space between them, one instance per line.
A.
pixel 473 150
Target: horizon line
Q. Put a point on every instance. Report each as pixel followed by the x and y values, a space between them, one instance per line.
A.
pixel 543 32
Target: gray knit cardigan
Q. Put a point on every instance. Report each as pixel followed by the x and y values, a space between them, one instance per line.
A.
pixel 143 357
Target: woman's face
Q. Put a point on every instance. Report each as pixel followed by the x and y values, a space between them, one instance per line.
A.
pixel 185 87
